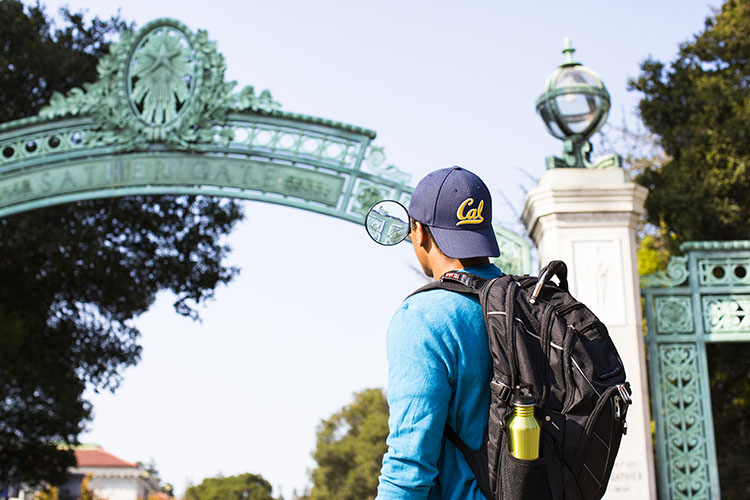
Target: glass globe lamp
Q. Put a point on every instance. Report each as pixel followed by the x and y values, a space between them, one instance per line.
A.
pixel 573 106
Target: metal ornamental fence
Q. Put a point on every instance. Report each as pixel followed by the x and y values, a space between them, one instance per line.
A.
pixel 703 297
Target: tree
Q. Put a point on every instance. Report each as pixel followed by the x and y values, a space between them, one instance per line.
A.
pixel 350 448
pixel 243 487
pixel 72 277
pixel 699 109
pixel 38 59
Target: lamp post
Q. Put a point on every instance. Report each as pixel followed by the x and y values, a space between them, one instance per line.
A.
pixel 574 105
pixel 586 217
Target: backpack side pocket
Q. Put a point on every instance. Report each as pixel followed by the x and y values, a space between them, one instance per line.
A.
pixel 521 479
pixel 600 443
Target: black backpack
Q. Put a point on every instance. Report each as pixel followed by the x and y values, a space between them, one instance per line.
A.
pixel 546 344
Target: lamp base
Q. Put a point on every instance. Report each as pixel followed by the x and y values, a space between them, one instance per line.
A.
pixel 606 161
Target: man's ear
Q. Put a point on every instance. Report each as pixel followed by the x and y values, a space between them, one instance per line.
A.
pixel 419 235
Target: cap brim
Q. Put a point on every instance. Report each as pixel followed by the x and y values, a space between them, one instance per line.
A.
pixel 466 244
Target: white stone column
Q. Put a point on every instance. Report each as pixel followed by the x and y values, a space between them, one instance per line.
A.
pixel 586 218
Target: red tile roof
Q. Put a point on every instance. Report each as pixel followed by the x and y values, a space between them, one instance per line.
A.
pixel 97 457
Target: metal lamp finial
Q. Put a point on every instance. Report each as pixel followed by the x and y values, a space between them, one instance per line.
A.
pixel 568 50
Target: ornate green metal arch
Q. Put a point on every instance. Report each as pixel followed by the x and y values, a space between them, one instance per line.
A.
pixel 161 119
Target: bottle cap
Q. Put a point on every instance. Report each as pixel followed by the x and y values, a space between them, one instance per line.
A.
pixel 523 398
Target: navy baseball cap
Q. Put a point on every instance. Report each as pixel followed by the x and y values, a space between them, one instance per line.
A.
pixel 457 207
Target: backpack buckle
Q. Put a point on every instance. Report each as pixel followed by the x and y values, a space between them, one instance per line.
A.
pixel 624 390
pixel 502 391
pixel 620 412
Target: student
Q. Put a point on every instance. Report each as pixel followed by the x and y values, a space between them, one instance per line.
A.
pixel 439 365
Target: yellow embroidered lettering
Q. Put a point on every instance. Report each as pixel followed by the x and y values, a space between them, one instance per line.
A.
pixel 473 216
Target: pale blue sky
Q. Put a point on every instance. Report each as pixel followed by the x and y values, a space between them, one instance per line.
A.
pixel 302 328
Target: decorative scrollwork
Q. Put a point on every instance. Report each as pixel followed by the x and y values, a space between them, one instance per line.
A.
pixel 164 84
pixel 376 163
pixel 366 195
pixel 608 161
pixel 726 314
pixel 673 314
pixel 514 252
pixel 675 275
pixel 684 417
pixel 715 301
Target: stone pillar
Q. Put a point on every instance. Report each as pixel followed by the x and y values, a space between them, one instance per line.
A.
pixel 587 217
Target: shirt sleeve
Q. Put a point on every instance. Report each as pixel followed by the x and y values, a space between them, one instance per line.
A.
pixel 419 393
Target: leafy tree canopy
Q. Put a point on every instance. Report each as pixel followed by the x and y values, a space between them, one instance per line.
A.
pixel 699 108
pixel 242 487
pixel 72 277
pixel 350 449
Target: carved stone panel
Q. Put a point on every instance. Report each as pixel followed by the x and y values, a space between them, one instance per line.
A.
pixel 598 279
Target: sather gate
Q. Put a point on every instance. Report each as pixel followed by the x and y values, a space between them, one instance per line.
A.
pixel 161 119
pixel 703 297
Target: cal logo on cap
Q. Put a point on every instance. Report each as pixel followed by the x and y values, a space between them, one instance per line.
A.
pixel 473 216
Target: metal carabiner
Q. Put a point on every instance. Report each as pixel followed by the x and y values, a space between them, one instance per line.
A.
pixel 618 410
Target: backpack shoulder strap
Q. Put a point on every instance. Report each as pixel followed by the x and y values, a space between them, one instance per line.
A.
pixel 476 459
pixel 455 281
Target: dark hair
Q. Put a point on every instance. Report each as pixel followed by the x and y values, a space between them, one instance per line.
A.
pixel 425 227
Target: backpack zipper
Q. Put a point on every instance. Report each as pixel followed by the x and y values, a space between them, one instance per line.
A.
pixel 570 307
pixel 545 341
pixel 570 332
pixel 605 399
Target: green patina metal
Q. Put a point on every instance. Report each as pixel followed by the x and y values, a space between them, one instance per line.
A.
pixel 386 228
pixel 704 296
pixel 514 252
pixel 161 119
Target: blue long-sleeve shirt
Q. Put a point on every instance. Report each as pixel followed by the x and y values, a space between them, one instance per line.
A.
pixel 439 369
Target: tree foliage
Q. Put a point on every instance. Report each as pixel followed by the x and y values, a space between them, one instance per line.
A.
pixel 699 109
pixel 48 493
pixel 37 58
pixel 72 277
pixel 86 492
pixel 730 401
pixel 350 448
pixel 243 487
pixel 52 492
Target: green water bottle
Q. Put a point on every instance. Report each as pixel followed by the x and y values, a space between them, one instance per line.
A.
pixel 524 430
